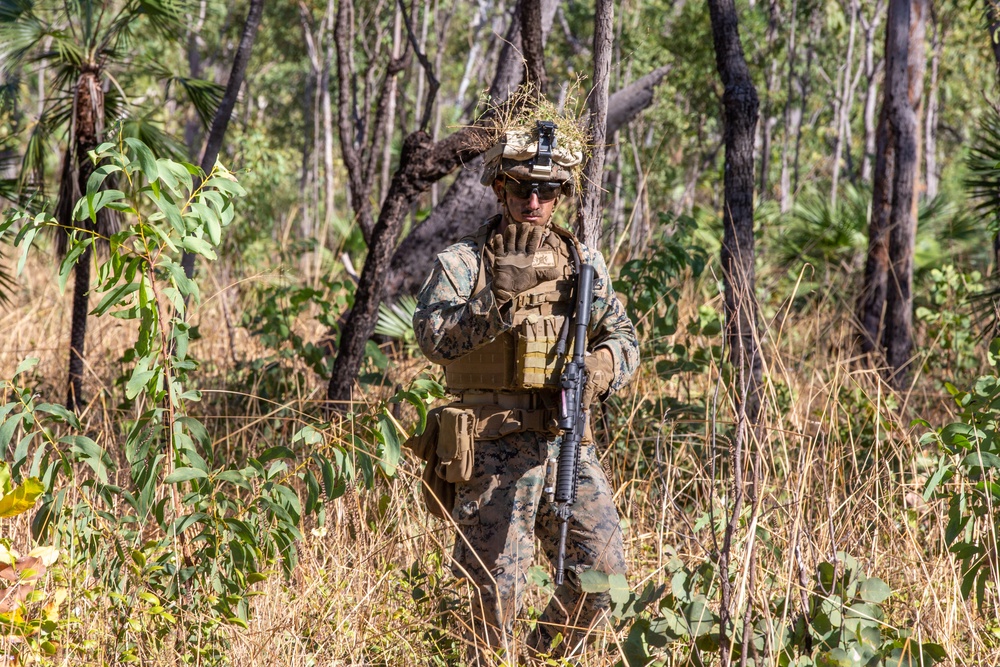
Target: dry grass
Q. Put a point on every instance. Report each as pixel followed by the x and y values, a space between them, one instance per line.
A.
pixel 842 472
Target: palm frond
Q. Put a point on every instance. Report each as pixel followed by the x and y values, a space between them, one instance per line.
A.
pixel 204 95
pixel 12 10
pixel 396 320
pixel 18 39
pixel 151 133
pixel 983 179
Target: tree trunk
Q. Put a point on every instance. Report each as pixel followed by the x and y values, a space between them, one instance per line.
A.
pixel 793 115
pixel 530 15
pixel 589 213
pixel 872 68
pixel 421 163
pixel 740 108
pixel 843 115
pixel 871 302
pixel 907 20
pixel 771 83
pixel 220 121
pixel 89 126
pixel 930 120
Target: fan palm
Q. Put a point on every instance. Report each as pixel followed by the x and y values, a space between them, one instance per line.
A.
pixel 89 47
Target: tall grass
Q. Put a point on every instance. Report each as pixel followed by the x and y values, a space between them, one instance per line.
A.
pixel 842 471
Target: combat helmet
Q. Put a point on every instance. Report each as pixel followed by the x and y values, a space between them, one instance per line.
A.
pixel 534 154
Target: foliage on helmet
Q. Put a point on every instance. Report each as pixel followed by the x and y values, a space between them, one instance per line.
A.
pixel 533 140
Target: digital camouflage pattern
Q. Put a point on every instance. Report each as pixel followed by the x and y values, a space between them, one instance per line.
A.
pixel 502 509
pixel 451 321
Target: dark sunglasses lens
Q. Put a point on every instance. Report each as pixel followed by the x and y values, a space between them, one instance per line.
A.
pixel 523 190
pixel 547 191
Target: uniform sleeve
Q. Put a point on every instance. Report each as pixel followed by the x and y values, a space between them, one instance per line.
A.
pixel 610 326
pixel 450 321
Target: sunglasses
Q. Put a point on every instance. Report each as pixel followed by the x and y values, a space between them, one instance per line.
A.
pixel 545 190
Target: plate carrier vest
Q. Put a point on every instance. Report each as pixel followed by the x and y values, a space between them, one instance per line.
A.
pixel 523 358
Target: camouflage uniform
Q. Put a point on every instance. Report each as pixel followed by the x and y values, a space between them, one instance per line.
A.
pixel 502 508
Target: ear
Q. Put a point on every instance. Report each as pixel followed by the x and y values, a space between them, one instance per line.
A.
pixel 498 189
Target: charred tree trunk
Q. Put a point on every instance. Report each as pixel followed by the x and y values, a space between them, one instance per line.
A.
pixel 889 268
pixel 589 213
pixel 740 108
pixel 872 300
pixel 907 21
pixel 89 126
pixel 220 121
pixel 421 163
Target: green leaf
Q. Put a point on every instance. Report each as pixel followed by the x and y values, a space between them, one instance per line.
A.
pixel 114 298
pixel 185 475
pixel 145 157
pixel 141 375
pixel 27 364
pixel 391 445
pixel 199 247
pixel 592 581
pixel 874 590
pixel 619 588
pixel 699 617
pixel 21 499
pixel 277 452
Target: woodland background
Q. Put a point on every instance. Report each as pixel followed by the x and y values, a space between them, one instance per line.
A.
pixel 184 493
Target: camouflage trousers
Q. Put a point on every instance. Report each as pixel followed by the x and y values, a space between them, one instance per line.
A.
pixel 499 513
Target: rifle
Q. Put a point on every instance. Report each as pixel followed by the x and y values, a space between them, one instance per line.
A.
pixel 572 413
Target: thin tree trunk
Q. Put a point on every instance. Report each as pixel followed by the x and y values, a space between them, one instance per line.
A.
pixel 771 83
pixel 843 115
pixel 815 31
pixel 740 109
pixel 930 121
pixel 329 185
pixel 907 20
pixel 872 68
pixel 589 213
pixel 793 115
pixel 220 121
pixel 397 35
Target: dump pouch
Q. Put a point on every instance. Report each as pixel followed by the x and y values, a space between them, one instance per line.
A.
pixel 456 443
pixel 425 444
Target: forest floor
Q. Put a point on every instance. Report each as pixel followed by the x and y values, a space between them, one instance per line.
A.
pixel 842 472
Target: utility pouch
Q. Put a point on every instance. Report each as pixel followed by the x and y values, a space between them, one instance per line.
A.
pixel 425 444
pixel 538 365
pixel 456 443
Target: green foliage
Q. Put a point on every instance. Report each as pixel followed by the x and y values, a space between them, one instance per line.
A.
pixel 968 477
pixel 843 625
pixel 170 535
pixel 274 322
pixel 947 315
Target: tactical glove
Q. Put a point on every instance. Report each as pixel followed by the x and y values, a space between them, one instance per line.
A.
pixel 513 257
pixel 600 374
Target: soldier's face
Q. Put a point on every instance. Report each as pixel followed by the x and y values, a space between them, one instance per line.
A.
pixel 536 208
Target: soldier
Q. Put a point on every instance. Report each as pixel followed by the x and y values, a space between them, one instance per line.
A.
pixel 491 313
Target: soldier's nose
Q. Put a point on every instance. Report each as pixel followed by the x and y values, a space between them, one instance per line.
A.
pixel 533 200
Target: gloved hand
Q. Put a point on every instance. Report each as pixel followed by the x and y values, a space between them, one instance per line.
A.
pixel 513 255
pixel 600 374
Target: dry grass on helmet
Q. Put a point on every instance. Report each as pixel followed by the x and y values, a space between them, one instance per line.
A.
pixel 523 108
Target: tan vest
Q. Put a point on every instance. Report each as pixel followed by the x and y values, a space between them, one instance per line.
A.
pixel 522 358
